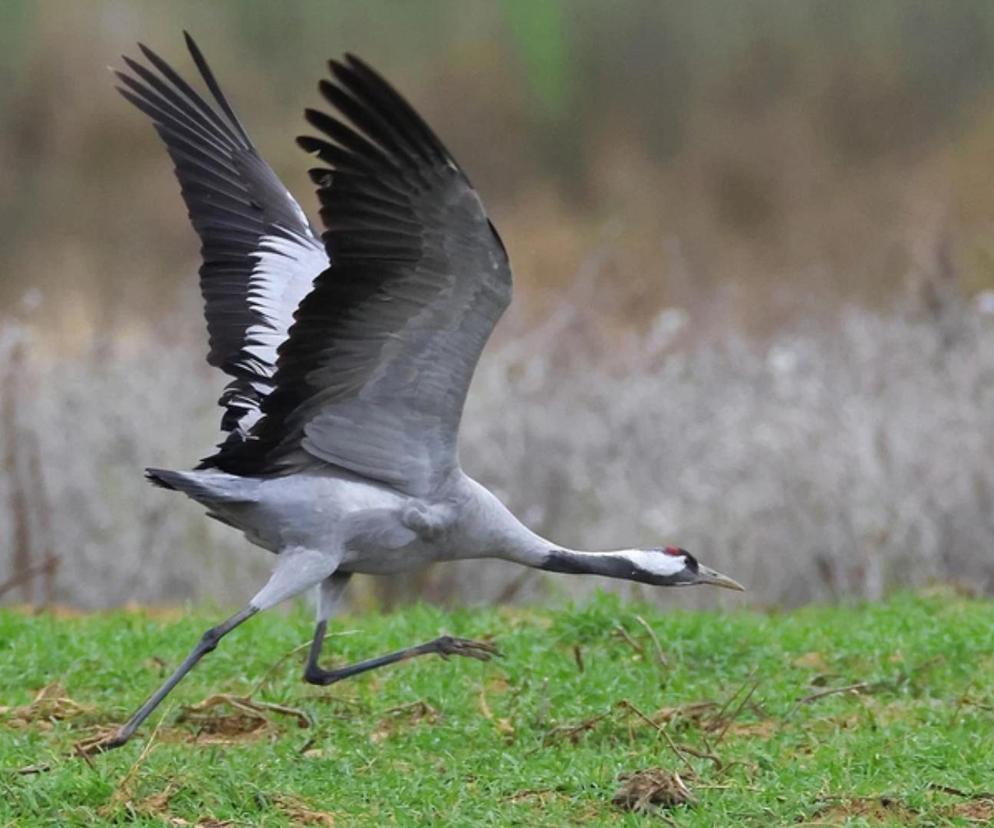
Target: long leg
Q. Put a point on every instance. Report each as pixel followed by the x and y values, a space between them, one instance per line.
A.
pixel 297 569
pixel 444 646
pixel 208 641
pixel 331 591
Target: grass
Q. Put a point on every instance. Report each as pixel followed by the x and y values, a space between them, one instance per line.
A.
pixel 748 708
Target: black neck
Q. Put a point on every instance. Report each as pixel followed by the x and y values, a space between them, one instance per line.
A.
pixel 606 564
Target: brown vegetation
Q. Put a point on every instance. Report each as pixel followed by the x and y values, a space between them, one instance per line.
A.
pixel 667 177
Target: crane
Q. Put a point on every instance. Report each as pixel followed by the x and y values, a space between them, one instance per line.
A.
pixel 350 354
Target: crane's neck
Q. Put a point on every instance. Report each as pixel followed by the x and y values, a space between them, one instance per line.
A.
pixel 646 565
pixel 503 536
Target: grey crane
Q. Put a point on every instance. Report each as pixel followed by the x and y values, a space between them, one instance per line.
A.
pixel 350 354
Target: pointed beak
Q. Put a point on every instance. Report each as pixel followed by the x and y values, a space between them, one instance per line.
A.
pixel 710 576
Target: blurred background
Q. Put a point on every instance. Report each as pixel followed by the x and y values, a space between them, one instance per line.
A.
pixel 754 257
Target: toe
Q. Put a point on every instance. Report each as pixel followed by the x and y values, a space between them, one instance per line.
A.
pixel 480 650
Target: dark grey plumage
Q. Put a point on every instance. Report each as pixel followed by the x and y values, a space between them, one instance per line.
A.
pixel 237 206
pixel 375 371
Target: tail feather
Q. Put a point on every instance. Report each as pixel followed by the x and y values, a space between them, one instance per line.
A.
pixel 163 478
pixel 205 486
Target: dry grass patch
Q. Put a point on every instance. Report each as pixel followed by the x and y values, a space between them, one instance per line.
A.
pixel 50 703
pixel 646 790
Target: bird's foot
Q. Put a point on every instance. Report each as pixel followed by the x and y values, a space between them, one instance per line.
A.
pixel 100 743
pixel 447 646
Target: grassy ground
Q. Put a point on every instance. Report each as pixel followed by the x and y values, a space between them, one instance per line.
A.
pixel 751 711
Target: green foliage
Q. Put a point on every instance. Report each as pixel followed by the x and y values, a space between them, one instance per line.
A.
pixel 540 34
pixel 528 739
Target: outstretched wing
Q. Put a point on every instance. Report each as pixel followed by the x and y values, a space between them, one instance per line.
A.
pixel 260 255
pixel 375 371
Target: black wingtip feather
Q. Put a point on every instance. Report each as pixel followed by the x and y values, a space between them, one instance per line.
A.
pixel 364 81
pixel 321 176
pixel 379 126
pixel 309 143
pixel 348 138
pixel 214 87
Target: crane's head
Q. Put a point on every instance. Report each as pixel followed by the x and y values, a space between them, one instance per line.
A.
pixel 672 566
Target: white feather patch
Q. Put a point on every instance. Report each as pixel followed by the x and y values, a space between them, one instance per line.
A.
pixel 286 266
pixel 656 561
